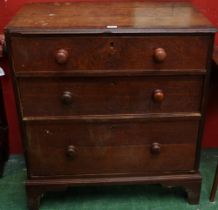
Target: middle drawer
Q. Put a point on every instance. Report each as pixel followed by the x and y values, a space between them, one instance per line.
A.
pixel 114 95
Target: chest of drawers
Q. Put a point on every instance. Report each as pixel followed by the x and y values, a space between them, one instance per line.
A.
pixel 110 93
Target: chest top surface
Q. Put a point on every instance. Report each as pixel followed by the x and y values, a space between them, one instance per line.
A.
pixel 113 17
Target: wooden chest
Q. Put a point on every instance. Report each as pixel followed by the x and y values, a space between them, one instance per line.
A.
pixel 110 93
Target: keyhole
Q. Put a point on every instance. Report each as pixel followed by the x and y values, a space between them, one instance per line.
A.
pixel 112 45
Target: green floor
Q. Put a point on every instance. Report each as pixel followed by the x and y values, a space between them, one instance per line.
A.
pixel 149 197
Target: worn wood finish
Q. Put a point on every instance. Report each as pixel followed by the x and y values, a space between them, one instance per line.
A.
pixel 147 16
pixel 109 73
pixel 110 160
pixel 109 145
pixel 126 95
pixel 37 188
pixel 93 133
pixel 111 93
pixel 156 117
pixel 117 53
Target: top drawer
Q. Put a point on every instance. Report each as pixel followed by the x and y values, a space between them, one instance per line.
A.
pixel 109 53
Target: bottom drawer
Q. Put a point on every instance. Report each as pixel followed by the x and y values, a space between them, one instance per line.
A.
pixel 109 148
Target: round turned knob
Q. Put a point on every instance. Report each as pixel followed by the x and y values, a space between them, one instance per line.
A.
pixel 67 98
pixel 71 151
pixel 155 148
pixel 61 56
pixel 158 96
pixel 160 55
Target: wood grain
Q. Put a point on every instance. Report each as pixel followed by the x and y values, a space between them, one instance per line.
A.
pixel 104 53
pixel 101 96
pixel 111 93
pixel 146 16
pixel 110 160
pixel 111 133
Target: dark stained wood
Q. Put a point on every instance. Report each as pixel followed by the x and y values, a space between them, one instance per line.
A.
pixel 158 96
pixel 155 148
pixel 127 53
pixel 192 188
pixel 112 133
pixel 67 98
pixel 110 160
pixel 126 95
pixel 109 146
pixel 111 93
pixel 36 188
pixel 2 44
pixel 109 73
pixel 160 55
pixel 204 102
pixel 71 151
pixel 144 16
pixel 61 56
pixel 214 187
pixel 116 117
pixel 4 147
pixel 215 55
pixel 34 195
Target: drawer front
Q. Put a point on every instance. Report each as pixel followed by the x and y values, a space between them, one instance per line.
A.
pixel 93 96
pixel 79 148
pixel 74 53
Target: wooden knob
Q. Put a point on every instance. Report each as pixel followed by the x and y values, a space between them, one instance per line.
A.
pixel 160 55
pixel 158 96
pixel 71 151
pixel 61 56
pixel 67 98
pixel 155 148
